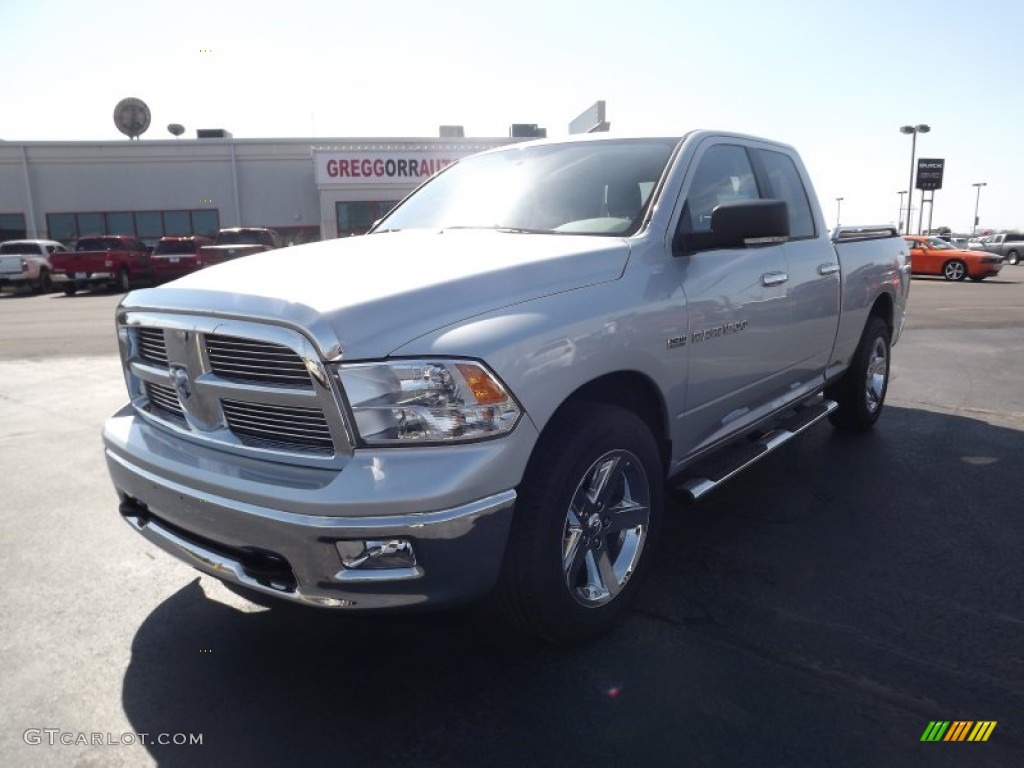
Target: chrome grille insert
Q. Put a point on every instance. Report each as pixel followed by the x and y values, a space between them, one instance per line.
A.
pixel 165 399
pixel 257 361
pixel 289 427
pixel 152 345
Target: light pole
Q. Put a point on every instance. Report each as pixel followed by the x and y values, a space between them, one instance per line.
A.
pixel 839 208
pixel 977 199
pixel 913 130
pixel 899 219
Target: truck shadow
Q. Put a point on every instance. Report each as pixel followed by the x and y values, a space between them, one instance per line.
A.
pixel 865 524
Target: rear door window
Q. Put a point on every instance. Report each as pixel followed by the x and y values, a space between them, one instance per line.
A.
pixel 784 183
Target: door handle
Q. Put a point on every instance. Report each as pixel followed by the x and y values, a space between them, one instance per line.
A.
pixel 768 279
pixel 827 269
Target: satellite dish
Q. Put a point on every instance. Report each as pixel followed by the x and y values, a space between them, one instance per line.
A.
pixel 131 116
pixel 176 129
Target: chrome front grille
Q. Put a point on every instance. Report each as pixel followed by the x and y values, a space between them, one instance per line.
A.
pixel 165 399
pixel 242 386
pixel 276 425
pixel 152 346
pixel 261 362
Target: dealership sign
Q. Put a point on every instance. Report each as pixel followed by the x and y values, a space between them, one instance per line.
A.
pixel 384 167
pixel 929 173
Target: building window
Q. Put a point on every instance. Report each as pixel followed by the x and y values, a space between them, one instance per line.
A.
pixel 121 223
pixel 148 226
pixel 177 223
pixel 205 222
pixel 93 224
pixel 357 218
pixel 12 226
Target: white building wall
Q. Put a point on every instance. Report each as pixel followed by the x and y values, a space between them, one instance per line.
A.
pixel 268 182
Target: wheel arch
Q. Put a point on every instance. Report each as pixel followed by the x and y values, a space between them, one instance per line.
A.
pixel 884 308
pixel 631 390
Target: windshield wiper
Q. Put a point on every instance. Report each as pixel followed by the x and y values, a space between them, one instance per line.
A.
pixel 500 228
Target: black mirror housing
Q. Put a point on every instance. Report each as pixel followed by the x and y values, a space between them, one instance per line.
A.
pixel 733 224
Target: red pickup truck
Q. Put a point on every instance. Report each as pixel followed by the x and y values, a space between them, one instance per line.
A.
pixel 177 256
pixel 119 261
pixel 239 241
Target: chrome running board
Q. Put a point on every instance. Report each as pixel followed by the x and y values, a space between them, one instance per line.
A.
pixel 707 475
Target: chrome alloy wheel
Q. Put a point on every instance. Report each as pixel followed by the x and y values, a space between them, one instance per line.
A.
pixel 954 270
pixel 877 373
pixel 606 527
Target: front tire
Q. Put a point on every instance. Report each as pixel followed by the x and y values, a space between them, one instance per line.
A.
pixel 70 289
pixel 586 521
pixel 861 392
pixel 954 270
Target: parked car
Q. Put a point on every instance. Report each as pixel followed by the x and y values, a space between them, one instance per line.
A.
pixel 176 256
pixel 1009 245
pixel 27 262
pixel 118 261
pixel 237 242
pixel 531 346
pixel 934 256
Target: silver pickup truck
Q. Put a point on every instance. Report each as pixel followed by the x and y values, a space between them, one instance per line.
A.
pixel 490 393
pixel 1009 245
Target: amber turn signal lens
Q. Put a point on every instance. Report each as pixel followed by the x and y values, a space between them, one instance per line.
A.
pixel 485 389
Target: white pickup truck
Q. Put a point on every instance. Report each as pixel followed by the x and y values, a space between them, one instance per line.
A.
pixel 491 391
pixel 27 262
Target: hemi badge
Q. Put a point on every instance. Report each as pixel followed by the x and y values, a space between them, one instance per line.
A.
pixel 676 341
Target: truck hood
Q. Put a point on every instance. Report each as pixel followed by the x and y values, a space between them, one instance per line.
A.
pixel 363 297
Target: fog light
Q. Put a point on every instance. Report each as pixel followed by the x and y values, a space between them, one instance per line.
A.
pixel 377 553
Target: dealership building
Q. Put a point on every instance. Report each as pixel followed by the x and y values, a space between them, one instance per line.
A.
pixel 306 189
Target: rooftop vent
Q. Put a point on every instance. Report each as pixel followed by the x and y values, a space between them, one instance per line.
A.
pixel 213 133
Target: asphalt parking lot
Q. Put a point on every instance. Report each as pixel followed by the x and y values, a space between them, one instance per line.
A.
pixel 821 609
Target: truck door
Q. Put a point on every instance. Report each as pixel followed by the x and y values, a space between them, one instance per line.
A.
pixel 813 267
pixel 737 305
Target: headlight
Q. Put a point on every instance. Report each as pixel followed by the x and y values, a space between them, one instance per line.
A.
pixel 424 401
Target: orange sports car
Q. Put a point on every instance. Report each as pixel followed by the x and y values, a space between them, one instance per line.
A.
pixel 934 256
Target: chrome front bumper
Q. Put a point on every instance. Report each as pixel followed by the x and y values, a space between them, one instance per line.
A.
pixel 289 549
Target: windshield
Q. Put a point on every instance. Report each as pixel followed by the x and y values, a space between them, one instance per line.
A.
pixel 244 237
pixel 174 246
pixel 587 188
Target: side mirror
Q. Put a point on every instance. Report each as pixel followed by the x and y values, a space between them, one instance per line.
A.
pixel 735 224
pixel 739 224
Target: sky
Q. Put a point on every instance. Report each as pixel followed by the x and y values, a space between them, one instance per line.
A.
pixel 834 79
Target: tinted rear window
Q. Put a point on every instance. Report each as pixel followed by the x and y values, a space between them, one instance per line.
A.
pixel 175 246
pixel 98 244
pixel 31 248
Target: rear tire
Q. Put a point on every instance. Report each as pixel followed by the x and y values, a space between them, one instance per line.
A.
pixel 978 279
pixel 954 270
pixel 861 392
pixel 124 281
pixel 586 522
pixel 1013 258
pixel 70 289
pixel 44 284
